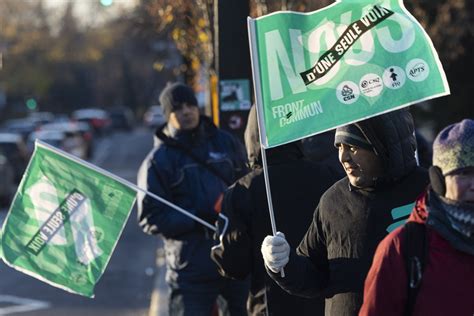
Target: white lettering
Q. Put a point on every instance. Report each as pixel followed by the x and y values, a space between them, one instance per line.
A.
pixel 277 57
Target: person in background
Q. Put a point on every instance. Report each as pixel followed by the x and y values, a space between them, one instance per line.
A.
pixel 296 185
pixel 353 215
pixel 191 165
pixel 320 148
pixel 438 277
pixel 424 150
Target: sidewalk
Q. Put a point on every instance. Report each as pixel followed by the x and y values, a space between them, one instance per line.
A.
pixel 159 297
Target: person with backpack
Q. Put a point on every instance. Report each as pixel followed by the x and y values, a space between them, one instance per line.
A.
pixel 426 267
pixel 191 165
pixel 353 215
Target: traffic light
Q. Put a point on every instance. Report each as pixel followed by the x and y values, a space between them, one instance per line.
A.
pixel 31 104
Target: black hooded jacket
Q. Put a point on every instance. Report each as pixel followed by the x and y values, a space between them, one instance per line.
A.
pixel 296 186
pixel 335 255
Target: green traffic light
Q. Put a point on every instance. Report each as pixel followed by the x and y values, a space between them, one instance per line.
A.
pixel 106 3
pixel 31 104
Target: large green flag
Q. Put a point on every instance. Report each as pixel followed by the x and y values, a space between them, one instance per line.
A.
pixel 351 60
pixel 65 221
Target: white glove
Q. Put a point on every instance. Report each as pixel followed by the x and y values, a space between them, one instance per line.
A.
pixel 275 252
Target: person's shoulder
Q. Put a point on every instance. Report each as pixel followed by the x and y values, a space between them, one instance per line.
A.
pixel 334 196
pixel 392 243
pixel 418 179
pixel 225 135
pixel 251 179
pixel 339 187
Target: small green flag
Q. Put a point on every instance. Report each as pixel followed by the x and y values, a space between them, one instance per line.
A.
pixel 351 60
pixel 65 221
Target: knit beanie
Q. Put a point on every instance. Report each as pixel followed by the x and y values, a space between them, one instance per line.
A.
pixel 352 135
pixel 453 148
pixel 174 95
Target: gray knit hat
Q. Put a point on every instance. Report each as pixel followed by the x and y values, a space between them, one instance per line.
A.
pixel 351 135
pixel 174 95
pixel 453 148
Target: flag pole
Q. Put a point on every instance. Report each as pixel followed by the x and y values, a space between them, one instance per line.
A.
pixel 261 124
pixel 122 181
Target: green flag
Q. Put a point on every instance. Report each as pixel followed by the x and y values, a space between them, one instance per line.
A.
pixel 65 220
pixel 349 61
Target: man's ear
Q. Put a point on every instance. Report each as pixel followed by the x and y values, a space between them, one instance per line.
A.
pixel 437 180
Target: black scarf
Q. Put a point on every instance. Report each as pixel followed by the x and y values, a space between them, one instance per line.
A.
pixel 453 220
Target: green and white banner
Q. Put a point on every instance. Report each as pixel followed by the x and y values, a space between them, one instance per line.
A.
pixel 65 221
pixel 351 60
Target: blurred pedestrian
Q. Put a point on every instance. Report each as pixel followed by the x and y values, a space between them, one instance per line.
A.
pixel 424 150
pixel 320 148
pixel 296 186
pixel 427 266
pixel 353 216
pixel 191 164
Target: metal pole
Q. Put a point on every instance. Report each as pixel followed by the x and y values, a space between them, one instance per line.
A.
pixel 123 181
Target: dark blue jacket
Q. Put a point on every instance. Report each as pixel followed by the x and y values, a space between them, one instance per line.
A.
pixel 174 175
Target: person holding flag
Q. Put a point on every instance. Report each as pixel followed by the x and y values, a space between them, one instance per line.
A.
pixel 191 164
pixel 354 215
pixel 442 246
pixel 296 184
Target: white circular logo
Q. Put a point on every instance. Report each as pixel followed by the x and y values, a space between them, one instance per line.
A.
pixel 347 92
pixel 371 85
pixel 394 77
pixel 417 70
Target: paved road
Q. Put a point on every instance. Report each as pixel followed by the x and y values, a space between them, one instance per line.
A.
pixel 127 284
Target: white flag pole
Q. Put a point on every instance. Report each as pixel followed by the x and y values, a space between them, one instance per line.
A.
pixel 123 181
pixel 261 124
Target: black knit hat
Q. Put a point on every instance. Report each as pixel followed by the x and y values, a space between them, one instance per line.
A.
pixel 351 135
pixel 174 95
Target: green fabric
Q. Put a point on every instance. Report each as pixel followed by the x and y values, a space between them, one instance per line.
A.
pixel 370 56
pixel 64 222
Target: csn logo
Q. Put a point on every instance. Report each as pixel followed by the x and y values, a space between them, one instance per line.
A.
pixel 347 92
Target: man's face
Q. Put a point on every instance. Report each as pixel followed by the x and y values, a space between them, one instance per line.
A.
pixel 185 117
pixel 362 166
pixel 460 186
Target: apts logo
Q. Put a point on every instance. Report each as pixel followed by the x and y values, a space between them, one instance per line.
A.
pixel 417 70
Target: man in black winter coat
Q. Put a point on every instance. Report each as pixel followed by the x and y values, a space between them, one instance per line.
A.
pixel 354 215
pixel 296 186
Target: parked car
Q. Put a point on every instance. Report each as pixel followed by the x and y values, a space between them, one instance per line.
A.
pixel 154 116
pixel 74 140
pixel 97 118
pixel 52 137
pixel 23 127
pixel 7 181
pixel 121 118
pixel 40 118
pixel 14 148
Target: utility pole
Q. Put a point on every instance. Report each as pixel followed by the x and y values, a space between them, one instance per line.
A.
pixel 231 87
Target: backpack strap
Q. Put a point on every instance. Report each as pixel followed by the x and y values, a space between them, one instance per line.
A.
pixel 415 255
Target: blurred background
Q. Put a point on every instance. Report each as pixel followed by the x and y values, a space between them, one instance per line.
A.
pixel 84 76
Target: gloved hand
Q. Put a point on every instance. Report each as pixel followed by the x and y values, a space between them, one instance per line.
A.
pixel 275 252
